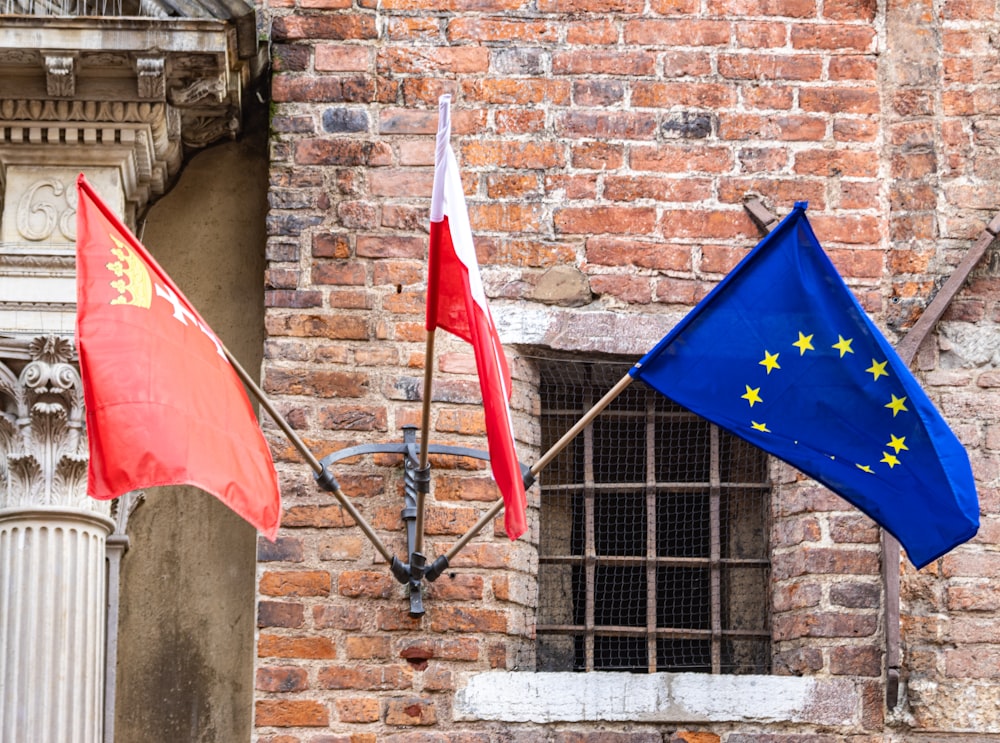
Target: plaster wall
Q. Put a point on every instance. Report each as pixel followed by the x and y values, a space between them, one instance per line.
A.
pixel 185 643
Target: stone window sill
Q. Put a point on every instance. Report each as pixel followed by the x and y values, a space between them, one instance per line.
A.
pixel 659 697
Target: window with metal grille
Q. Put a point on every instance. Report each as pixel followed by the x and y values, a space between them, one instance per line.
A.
pixel 653 551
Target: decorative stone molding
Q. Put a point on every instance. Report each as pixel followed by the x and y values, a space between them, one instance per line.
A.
pixel 151 80
pixel 43 446
pixel 101 71
pixel 60 75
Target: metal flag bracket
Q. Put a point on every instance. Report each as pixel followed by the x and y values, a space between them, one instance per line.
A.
pixel 416 483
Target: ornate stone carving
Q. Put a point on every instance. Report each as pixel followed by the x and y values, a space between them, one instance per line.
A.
pixel 151 81
pixel 60 75
pixel 201 131
pixel 43 447
pixel 44 207
pixel 199 89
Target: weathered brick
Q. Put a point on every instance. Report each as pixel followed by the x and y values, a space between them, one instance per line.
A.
pixel 295 583
pixel 357 709
pixel 410 711
pixel 281 679
pixel 287 713
pixel 280 614
pixel 304 647
pixel 282 549
pixel 373 678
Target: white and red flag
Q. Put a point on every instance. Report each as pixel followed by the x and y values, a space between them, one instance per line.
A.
pixel 456 301
pixel 163 404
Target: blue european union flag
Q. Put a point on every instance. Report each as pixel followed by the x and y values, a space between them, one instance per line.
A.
pixel 782 355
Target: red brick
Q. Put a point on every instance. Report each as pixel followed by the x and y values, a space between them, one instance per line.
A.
pixel 281 679
pixel 696 95
pixel 356 583
pixel 315 516
pixel 631 188
pixel 823 624
pixel 603 62
pixel 304 647
pixel 833 36
pixel 680 158
pixel 591 32
pixel 410 711
pixel 391 246
pixel 973 662
pixel 829 163
pixel 590 6
pixel 513 155
pixel 290 714
pixel 374 678
pixel 340 58
pixel 519 91
pixel 341 327
pixel 326 245
pixel 669 33
pixel 840 100
pixel 333 26
pixel 482 30
pixel 781 128
pixel 357 709
pixel 770 66
pixel 471 619
pixel 280 614
pixel 433 59
pixel 605 220
pixel 607 251
pixel 295 583
pixel 614 124
pixel 630 289
pixel 456 587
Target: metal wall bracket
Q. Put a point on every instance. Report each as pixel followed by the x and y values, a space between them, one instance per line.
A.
pixel 416 481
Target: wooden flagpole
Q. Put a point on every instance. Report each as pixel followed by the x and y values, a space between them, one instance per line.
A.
pixel 307 455
pixel 425 433
pixel 544 461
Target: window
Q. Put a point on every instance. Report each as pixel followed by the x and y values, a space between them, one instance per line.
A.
pixel 653 552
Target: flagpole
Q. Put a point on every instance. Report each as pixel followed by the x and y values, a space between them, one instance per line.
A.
pixel 425 432
pixel 436 215
pixel 307 455
pixel 544 461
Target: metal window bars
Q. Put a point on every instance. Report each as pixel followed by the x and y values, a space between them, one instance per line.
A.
pixel 653 553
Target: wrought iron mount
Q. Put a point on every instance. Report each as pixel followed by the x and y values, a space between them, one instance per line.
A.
pixel 416 482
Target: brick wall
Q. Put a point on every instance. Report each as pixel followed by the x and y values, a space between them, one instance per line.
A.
pixel 615 140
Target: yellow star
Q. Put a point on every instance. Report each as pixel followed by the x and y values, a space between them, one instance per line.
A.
pixel 897 443
pixel 770 361
pixel 865 468
pixel 843 345
pixel 804 343
pixel 889 459
pixel 877 369
pixel 752 395
pixel 897 405
pixel 760 426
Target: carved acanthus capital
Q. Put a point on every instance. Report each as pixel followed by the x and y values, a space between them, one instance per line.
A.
pixel 43 446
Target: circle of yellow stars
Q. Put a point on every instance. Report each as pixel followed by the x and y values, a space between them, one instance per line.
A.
pixel 804 345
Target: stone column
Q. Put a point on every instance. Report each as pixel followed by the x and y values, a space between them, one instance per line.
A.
pixel 52 552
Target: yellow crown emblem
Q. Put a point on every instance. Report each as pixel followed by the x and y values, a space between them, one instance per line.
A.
pixel 133 276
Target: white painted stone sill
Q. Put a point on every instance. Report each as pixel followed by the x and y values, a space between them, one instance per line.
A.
pixel 519 696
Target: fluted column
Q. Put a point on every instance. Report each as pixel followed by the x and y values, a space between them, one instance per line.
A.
pixel 52 553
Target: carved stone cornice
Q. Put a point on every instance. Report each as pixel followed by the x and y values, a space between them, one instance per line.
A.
pixel 158 85
pixel 43 445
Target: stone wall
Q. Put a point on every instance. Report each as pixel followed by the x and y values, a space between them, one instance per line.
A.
pixel 607 148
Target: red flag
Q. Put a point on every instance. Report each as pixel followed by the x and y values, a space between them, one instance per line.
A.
pixel 456 302
pixel 163 404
